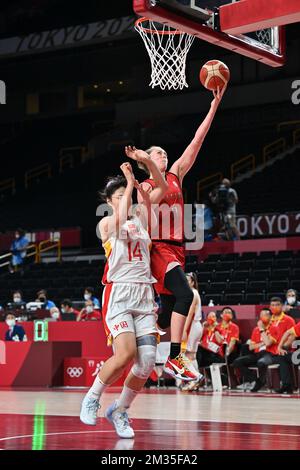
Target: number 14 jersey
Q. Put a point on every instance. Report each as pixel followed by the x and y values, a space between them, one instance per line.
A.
pixel 128 256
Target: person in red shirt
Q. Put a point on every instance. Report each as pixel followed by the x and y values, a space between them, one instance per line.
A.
pixel 66 307
pixel 230 332
pixel 287 357
pixel 88 313
pixel 280 323
pixel 257 349
pixel 211 345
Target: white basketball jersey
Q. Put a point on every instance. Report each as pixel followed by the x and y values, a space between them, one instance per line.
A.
pixel 128 257
pixel 198 312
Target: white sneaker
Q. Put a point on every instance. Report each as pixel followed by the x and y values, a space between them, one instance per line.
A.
pixel 89 409
pixel 242 386
pixel 119 419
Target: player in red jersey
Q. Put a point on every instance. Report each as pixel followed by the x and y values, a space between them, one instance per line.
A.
pixel 168 254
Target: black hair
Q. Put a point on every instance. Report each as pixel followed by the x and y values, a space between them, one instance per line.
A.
pixel 67 302
pixel 18 292
pixel 276 299
pixel 90 289
pixel 42 292
pixel 266 309
pixel 9 313
pixel 113 183
pixel 193 276
pixel 21 231
pixel 232 311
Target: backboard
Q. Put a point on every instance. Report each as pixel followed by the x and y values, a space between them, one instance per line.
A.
pixel 201 18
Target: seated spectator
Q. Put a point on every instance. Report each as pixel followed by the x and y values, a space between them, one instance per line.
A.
pixel 211 345
pixel 291 300
pixel 18 249
pixel 287 356
pixel 89 295
pixel 55 314
pixel 230 332
pixel 280 323
pixel 42 297
pixel 257 349
pixel 14 332
pixel 66 307
pixel 89 312
pixel 17 301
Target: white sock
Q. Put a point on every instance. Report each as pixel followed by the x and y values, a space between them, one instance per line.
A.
pixel 97 388
pixel 126 398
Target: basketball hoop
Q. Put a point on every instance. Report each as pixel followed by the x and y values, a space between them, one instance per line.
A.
pixel 167 48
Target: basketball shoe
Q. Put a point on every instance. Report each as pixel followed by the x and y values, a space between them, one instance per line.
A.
pixel 179 368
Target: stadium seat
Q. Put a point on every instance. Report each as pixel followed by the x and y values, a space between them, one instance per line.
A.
pixel 237 287
pixel 255 299
pixel 222 276
pixel 240 275
pixel 234 299
pixel 257 286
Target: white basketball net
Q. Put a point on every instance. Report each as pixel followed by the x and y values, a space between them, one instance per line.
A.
pixel 167 49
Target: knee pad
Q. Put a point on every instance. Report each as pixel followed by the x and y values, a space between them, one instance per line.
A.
pixel 146 355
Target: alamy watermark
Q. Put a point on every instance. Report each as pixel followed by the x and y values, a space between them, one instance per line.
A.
pixel 166 222
pixel 2 92
pixel 296 93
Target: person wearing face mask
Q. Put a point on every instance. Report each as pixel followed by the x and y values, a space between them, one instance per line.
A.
pixel 89 295
pixel 291 300
pixel 280 323
pixel 17 300
pixel 55 314
pixel 66 307
pixel 210 349
pixel 256 350
pixel 18 249
pixel 89 312
pixel 14 332
pixel 230 332
pixel 42 297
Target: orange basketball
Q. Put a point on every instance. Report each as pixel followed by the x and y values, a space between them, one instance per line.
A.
pixel 214 74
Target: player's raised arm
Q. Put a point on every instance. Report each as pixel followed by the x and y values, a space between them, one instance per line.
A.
pixel 126 200
pixel 161 186
pixel 188 158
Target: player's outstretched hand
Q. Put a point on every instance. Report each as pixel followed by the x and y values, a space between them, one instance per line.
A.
pixel 218 95
pixel 136 154
pixel 128 173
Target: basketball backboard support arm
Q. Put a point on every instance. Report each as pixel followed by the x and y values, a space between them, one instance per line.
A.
pixel 250 15
pixel 154 10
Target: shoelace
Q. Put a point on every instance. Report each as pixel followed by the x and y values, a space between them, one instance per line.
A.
pixel 183 361
pixel 122 419
pixel 93 405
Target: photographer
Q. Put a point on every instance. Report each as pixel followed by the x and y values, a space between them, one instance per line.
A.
pixel 225 199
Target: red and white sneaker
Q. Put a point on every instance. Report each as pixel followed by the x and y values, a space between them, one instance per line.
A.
pixel 179 369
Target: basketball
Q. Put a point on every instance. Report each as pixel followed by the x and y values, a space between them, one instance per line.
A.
pixel 214 74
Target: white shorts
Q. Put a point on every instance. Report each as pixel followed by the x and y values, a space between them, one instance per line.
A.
pixel 194 336
pixel 129 308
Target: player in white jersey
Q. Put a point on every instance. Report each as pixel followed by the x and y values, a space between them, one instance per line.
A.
pixel 129 310
pixel 193 331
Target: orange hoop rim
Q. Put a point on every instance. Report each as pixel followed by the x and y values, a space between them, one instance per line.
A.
pixel 139 24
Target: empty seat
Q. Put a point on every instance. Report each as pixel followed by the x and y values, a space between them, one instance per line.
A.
pixel 284 254
pixel 222 276
pixel 283 263
pixel 279 286
pixel 295 274
pixel 192 259
pixel 270 294
pixel 208 267
pixel 224 265
pixel 295 284
pixel 234 299
pixel 216 298
pixel 240 275
pixel 191 267
pixel 239 286
pixel 248 256
pixel 213 258
pixel 247 264
pixel 255 299
pixel 216 287
pixel 257 286
pixel 264 264
pixel 260 274
pixel 266 255
pixel 279 274
pixel 296 262
pixel 204 277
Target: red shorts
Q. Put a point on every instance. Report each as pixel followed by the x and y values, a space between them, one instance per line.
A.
pixel 162 254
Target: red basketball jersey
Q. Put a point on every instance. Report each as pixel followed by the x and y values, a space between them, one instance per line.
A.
pixel 173 199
